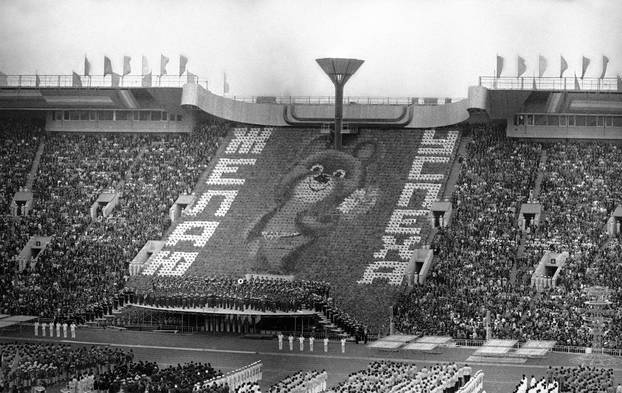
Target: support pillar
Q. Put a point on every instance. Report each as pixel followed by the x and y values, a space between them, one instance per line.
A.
pixel 339 71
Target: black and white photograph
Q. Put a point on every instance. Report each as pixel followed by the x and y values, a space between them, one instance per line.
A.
pixel 310 196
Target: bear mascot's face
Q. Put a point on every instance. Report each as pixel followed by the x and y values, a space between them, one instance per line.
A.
pixel 308 200
pixel 322 177
pixel 325 178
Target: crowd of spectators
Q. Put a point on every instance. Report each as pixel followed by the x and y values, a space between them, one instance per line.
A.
pixel 396 377
pixel 484 262
pixel 582 379
pixel 25 365
pixel 581 188
pixel 79 275
pixel 479 271
pixel 19 141
pixel 138 377
pixel 476 256
pixel 102 369
pixel 302 382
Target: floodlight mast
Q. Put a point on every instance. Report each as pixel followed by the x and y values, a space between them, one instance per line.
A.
pixel 339 71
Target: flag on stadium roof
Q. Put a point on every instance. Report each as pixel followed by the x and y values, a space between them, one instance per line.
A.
pixel 163 63
pixel 183 60
pixel 145 66
pixel 127 68
pixel 563 66
pixel 87 66
pixel 225 84
pixel 605 62
pixel 576 83
pixel 542 63
pixel 115 80
pixel 521 67
pixel 584 64
pixel 107 66
pixel 534 84
pixel 191 78
pixel 3 79
pixel 147 79
pixel 76 81
pixel 499 65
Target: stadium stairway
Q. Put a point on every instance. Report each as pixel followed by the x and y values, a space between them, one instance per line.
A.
pixel 327 324
pixel 129 171
pixel 454 174
pixel 30 181
pixel 540 177
pixel 449 186
pixel 520 253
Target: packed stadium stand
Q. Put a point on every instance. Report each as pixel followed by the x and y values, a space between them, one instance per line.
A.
pixel 263 229
pixel 479 261
pixel 74 169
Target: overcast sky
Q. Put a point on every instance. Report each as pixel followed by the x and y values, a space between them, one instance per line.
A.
pixel 269 47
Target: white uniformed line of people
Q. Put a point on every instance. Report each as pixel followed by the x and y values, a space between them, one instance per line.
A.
pixel 51 327
pixel 301 342
pixel 302 382
pixel 404 377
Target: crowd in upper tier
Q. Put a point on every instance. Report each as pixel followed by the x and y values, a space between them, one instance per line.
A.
pixel 81 272
pixel 484 262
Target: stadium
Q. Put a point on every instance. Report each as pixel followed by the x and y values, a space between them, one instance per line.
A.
pixel 161 234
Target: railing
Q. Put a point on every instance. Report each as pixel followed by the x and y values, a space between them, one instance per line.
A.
pixel 100 81
pixel 550 83
pixel 95 81
pixel 250 373
pixel 475 384
pixel 327 100
pixel 462 342
pixel 557 348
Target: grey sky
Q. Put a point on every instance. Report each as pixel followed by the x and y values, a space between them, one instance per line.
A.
pixel 410 48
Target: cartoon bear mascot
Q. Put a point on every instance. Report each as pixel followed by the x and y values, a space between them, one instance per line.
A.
pixel 321 188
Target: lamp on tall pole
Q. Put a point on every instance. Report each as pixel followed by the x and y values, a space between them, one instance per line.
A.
pixel 339 71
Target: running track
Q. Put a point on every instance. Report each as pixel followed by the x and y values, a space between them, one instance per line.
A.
pixel 228 353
